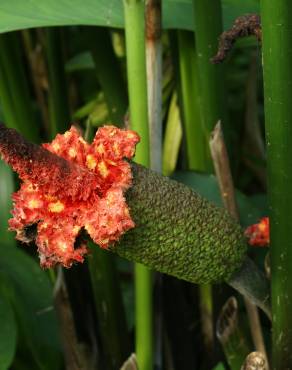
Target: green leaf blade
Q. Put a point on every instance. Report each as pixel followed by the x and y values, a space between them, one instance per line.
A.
pixel 8 334
pixel 177 14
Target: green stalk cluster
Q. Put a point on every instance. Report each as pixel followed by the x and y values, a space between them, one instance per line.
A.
pixel 277 61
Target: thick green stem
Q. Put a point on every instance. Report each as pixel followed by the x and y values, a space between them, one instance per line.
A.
pixel 208 27
pixel 137 86
pixel 277 61
pixel 136 69
pixel 14 90
pixel 58 99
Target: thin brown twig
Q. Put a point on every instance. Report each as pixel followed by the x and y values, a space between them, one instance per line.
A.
pixel 243 26
pixel 223 173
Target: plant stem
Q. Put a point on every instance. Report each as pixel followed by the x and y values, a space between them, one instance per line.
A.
pixel 223 173
pixel 197 152
pixel 277 61
pixel 72 354
pixel 196 140
pixel 137 82
pixel 109 307
pixel 58 98
pixel 231 335
pixel 208 27
pixel 137 85
pixel 154 92
pixel 154 80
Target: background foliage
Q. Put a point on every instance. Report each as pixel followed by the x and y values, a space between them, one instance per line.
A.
pixel 53 76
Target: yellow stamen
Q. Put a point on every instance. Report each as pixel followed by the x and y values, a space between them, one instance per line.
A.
pixel 34 203
pixel 56 207
pixel 56 147
pixel 100 149
pixel 116 149
pixel 72 153
pixel 90 162
pixel 102 168
pixel 62 246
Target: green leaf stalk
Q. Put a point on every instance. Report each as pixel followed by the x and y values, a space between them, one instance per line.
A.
pixel 277 61
pixel 208 27
pixel 134 11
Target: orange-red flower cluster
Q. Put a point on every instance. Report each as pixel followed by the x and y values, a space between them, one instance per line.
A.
pixel 259 234
pixel 70 185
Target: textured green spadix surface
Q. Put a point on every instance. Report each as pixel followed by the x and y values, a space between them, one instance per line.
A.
pixel 178 232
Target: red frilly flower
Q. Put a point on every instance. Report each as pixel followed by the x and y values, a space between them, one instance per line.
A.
pixel 259 234
pixel 69 185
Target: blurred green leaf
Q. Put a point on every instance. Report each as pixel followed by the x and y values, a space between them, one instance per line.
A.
pixel 172 138
pixel 19 14
pixel 16 104
pixel 94 110
pixel 8 334
pixel 220 366
pixel 80 62
pixel 207 186
pixel 108 72
pixel 30 292
pixel 6 189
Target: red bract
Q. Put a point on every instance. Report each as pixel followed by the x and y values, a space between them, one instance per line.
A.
pixel 259 234
pixel 69 185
